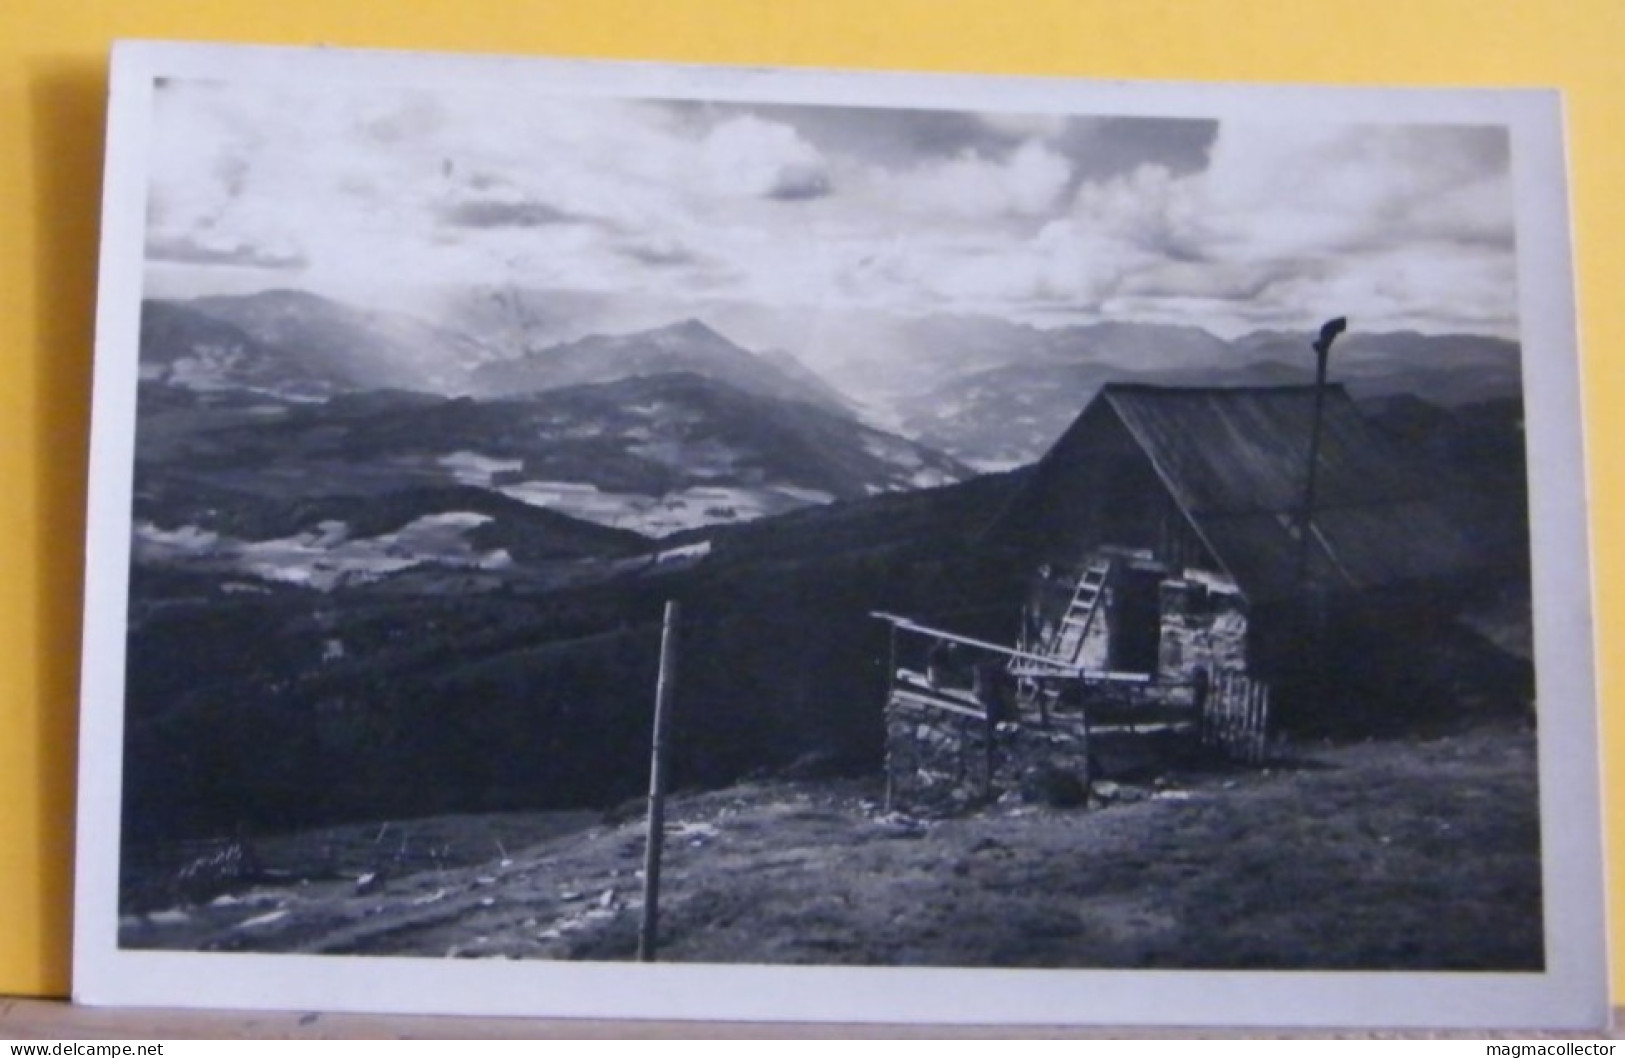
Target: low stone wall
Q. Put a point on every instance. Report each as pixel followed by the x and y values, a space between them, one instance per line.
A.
pixel 940 761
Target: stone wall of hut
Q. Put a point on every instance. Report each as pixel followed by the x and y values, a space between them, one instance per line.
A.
pixel 1204 628
pixel 941 761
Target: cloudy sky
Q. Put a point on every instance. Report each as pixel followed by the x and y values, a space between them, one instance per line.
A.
pixel 370 194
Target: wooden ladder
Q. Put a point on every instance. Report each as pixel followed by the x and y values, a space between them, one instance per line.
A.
pixel 1080 612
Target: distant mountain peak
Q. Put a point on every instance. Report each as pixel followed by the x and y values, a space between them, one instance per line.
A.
pixel 279 295
pixel 692 333
pixel 688 345
pixel 693 327
pixel 347 346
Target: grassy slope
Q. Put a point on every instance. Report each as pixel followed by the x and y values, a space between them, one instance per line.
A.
pixel 1413 854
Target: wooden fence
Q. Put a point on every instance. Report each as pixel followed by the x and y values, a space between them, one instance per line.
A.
pixel 1236 717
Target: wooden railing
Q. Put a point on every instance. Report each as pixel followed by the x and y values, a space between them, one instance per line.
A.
pixel 1231 714
pixel 1236 717
pixel 1038 661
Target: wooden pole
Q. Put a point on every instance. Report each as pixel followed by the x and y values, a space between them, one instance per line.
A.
pixel 657 787
pixel 1323 349
pixel 891 682
pixel 1307 513
pixel 1254 727
pixel 1263 723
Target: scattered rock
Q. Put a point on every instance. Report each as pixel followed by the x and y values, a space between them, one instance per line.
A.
pixel 207 876
pixel 898 825
pixel 263 920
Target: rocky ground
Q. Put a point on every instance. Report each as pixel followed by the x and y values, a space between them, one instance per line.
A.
pixel 1415 854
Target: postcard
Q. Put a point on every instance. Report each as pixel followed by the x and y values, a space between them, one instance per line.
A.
pixel 624 540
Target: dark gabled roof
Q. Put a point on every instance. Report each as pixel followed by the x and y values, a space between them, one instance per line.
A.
pixel 1245 450
pixel 1234 461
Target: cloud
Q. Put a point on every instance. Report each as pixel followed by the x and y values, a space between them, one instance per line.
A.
pixel 663 254
pixel 1101 148
pixel 1096 146
pixel 748 157
pixel 1394 225
pixel 1289 223
pixel 186 250
pixel 800 186
pixel 910 210
pixel 1028 183
pixel 1148 212
pixel 1343 188
pixel 875 136
pixel 499 213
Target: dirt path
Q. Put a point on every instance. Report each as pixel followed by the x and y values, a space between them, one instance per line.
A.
pixel 1383 855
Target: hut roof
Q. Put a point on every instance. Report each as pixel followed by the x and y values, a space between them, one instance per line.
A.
pixel 1234 461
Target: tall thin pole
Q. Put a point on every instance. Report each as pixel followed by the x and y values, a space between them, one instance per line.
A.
pixel 1323 348
pixel 657 787
pixel 891 682
pixel 1304 518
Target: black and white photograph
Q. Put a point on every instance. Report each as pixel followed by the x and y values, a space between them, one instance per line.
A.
pixel 564 527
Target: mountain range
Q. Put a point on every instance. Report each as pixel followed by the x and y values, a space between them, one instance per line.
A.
pixel 490 395
pixel 466 482
pixel 1009 413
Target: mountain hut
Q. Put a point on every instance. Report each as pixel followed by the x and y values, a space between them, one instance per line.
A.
pixel 1170 591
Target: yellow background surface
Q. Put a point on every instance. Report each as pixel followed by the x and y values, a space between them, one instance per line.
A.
pixel 53 61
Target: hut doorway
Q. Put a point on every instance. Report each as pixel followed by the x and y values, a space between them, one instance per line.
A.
pixel 1137 639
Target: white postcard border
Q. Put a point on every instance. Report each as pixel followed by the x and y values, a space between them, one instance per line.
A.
pixel 1572 991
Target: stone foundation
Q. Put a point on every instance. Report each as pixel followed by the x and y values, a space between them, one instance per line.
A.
pixel 940 761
